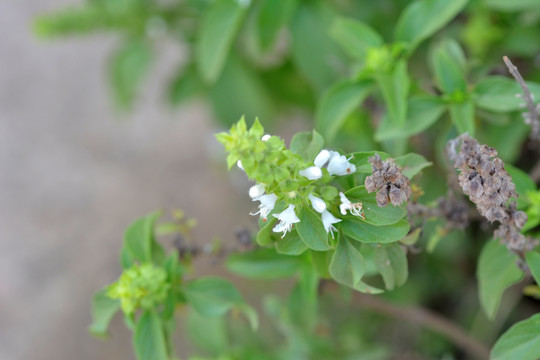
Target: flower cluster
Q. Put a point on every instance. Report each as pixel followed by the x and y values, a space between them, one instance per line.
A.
pixel 140 286
pixel 389 181
pixel 285 179
pixel 488 184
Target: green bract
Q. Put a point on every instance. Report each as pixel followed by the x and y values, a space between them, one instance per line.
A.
pixel 141 286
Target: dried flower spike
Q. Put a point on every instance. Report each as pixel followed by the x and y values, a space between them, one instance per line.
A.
pixel 389 181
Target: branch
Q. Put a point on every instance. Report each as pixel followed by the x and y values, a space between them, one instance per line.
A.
pixel 531 117
pixel 425 318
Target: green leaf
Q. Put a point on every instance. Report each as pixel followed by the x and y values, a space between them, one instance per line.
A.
pixel 321 262
pixel 521 341
pixel 103 310
pixel 311 230
pixel 394 86
pixel 497 270
pixel 264 236
pixel 514 5
pixel 412 164
pixel 217 31
pixel 212 296
pixel 348 267
pixel 315 59
pixel 366 233
pixel 423 18
pixel 422 112
pixel 307 144
pixel 374 214
pixel 270 18
pixel 533 261
pixel 263 264
pixel 498 94
pixel 185 85
pixel 338 103
pixel 127 69
pixel 291 244
pixel 462 116
pixel 361 160
pixel 238 92
pixel 355 37
pixel 391 262
pixel 523 183
pixel 139 238
pixel 207 333
pixel 448 63
pixel 149 338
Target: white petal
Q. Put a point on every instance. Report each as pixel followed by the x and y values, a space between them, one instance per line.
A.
pixel 318 204
pixel 255 191
pixel 266 137
pixel 268 201
pixel 288 215
pixel 322 158
pixel 239 164
pixel 312 173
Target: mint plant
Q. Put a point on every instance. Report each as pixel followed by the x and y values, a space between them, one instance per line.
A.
pixel 419 174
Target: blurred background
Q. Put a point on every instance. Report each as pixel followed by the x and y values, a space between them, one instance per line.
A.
pixel 75 172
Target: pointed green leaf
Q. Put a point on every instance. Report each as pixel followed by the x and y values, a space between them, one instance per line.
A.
pixel 307 144
pixel 374 214
pixel 355 37
pixel 462 116
pixel 422 112
pixel 264 236
pixel 412 164
pixel 207 333
pixel 263 264
pixel 291 244
pixel 139 238
pixel 270 18
pixel 448 63
pixel 348 267
pixel 149 338
pixel 103 310
pixel 533 261
pixel 311 230
pixel 423 18
pixel 218 29
pixel 523 183
pixel 498 93
pixel 338 103
pixel 212 296
pixel 366 233
pixel 394 86
pixel 521 341
pixel 514 5
pixel 497 270
pixel 391 262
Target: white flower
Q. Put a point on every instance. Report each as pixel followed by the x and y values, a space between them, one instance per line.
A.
pixel 322 158
pixel 340 165
pixel 354 208
pixel 266 137
pixel 328 220
pixel 318 204
pixel 312 173
pixel 255 191
pixel 287 218
pixel 239 164
pixel 267 204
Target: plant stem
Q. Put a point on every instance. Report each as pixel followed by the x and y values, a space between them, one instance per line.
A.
pixel 425 318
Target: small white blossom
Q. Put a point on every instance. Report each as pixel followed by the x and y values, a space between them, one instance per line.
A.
pixel 312 173
pixel 354 208
pixel 239 164
pixel 267 204
pixel 318 204
pixel 287 218
pixel 328 220
pixel 255 191
pixel 340 165
pixel 322 158
pixel 266 137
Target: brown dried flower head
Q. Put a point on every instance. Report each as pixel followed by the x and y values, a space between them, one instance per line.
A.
pixel 389 181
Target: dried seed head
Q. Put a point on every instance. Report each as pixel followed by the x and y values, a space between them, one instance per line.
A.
pixel 387 178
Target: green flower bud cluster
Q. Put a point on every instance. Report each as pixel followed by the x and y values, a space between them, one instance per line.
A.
pixel 141 286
